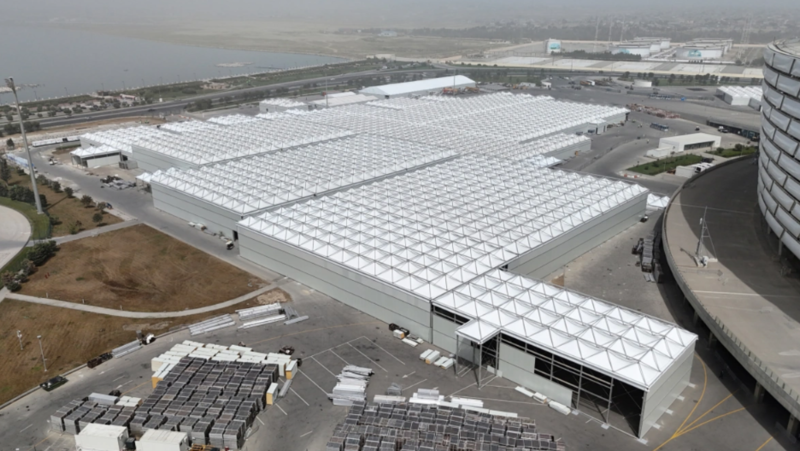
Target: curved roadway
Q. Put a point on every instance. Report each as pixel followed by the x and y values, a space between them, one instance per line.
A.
pixel 14 233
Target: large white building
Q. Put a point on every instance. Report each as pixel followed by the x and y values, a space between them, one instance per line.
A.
pixel 420 87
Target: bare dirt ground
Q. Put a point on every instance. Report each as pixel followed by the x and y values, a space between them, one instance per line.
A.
pixel 297 38
pixel 273 296
pixel 139 269
pixel 69 339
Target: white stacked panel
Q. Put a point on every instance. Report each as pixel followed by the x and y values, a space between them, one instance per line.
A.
pixel 232 119
pixel 187 126
pixel 429 231
pixel 121 138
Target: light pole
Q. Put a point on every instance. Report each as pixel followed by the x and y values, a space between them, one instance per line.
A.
pixel 19 336
pixel 10 84
pixel 44 361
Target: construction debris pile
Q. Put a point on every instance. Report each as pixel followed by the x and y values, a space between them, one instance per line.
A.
pixel 415 427
pixel 352 386
pixel 200 390
pixel 658 112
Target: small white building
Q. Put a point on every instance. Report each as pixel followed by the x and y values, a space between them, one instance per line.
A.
pixel 341 99
pixel 95 156
pixel 101 437
pixel 279 104
pixel 552 46
pixel 689 142
pixel 420 87
pixel 159 440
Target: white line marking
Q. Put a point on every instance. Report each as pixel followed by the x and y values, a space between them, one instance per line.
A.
pixel 312 381
pixel 376 363
pixel 417 383
pixel 409 374
pixel 54 443
pixel 259 420
pixel 118 378
pixel 468 386
pixel 306 434
pixel 125 383
pixel 323 366
pixel 535 404
pixel 340 357
pixel 284 412
pixel 102 372
pixel 376 344
pixel 301 398
pixel 26 427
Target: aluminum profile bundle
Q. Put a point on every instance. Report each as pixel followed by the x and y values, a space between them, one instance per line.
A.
pixel 126 349
pixel 255 312
pixel 263 321
pixel 212 324
pixel 352 386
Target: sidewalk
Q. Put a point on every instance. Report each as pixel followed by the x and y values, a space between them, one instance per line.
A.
pixel 93 232
pixel 128 314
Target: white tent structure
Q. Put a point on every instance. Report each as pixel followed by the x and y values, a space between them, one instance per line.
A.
pixel 739 95
pixel 95 156
pixel 420 87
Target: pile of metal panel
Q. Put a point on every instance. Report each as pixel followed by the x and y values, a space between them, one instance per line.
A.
pixel 212 324
pixel 352 386
pixel 213 402
pixel 411 427
pixel 126 349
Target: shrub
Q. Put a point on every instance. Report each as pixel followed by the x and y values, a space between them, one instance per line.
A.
pixel 101 206
pixel 10 281
pixel 42 251
pixel 54 220
pixel 56 187
pixel 43 200
pixel 68 192
pixel 3 190
pixel 42 180
pixel 27 267
pixel 86 200
pixel 97 217
pixel 74 228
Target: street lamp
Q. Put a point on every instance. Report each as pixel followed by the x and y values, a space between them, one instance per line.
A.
pixel 10 84
pixel 44 361
pixel 19 336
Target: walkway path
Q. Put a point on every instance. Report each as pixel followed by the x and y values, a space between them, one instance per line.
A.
pixel 94 232
pixel 14 233
pixel 129 314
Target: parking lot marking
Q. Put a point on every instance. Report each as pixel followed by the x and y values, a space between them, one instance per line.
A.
pixel 279 407
pixel 464 388
pixel 409 374
pixel 376 363
pixel 376 344
pixel 306 434
pixel 259 420
pixel 417 383
pixel 123 384
pixel 60 438
pixel 26 427
pixel 312 381
pixel 121 377
pixel 138 386
pixel 340 357
pixel 323 366
pixel 315 330
pixel 301 398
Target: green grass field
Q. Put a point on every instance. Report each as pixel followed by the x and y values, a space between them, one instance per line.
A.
pixel 666 164
pixel 731 153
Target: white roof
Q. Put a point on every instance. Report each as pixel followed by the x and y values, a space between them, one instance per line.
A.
pixel 249 185
pixel 122 138
pixel 161 436
pixel 431 84
pixel 335 100
pixel 657 202
pixel 103 430
pixel 691 138
pixel 232 119
pixel 239 140
pixel 431 230
pixel 86 152
pixel 187 126
pixel 614 340
pixel 753 92
pixel 283 103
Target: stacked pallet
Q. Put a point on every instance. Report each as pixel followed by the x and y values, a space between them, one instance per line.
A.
pixel 352 386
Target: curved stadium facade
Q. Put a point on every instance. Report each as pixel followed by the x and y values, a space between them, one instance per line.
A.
pixel 779 161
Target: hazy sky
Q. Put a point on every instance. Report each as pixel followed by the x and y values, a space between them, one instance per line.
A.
pixel 427 11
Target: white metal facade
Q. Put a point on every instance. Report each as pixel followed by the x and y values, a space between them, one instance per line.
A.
pixel 779 167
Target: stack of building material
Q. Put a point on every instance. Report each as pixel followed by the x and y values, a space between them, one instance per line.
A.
pixel 57 419
pixel 126 349
pixel 105 400
pixel 296 320
pixel 249 314
pixel 163 441
pixel 96 437
pixel 128 401
pixel 352 386
pixel 212 324
pixel 394 390
pixel 263 321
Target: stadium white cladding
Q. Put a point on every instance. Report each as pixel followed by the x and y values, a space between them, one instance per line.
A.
pixel 419 88
pixel 279 105
pixel 220 195
pixel 400 248
pixel 640 49
pixel 693 52
pixel 779 168
pixel 663 43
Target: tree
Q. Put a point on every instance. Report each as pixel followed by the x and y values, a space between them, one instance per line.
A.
pixel 101 206
pixel 10 143
pixel 9 279
pixel 5 171
pixel 97 217
pixel 68 192
pixel 56 186
pixel 86 200
pixel 43 200
pixel 42 180
pixel 42 251
pixel 27 267
pixel 3 190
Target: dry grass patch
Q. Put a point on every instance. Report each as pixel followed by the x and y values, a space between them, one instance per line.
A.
pixel 69 339
pixel 139 269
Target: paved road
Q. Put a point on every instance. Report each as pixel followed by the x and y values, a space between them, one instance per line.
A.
pixel 129 314
pixel 14 233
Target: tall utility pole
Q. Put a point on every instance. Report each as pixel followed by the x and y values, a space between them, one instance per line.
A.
pixel 44 361
pixel 10 84
pixel 610 26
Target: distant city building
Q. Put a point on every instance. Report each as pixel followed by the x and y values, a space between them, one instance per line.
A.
pixel 552 46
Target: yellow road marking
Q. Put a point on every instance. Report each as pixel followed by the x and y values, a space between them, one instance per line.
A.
pixel 713 419
pixel 134 388
pixel 705 382
pixel 49 436
pixel 707 412
pixel 764 444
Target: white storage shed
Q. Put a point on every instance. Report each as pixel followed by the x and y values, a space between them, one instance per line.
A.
pixel 159 440
pixel 101 437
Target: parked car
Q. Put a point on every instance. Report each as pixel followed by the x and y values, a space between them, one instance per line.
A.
pixel 53 383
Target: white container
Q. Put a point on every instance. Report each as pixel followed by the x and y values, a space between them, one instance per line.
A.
pixel 432 357
pixel 398 334
pixel 101 437
pixel 411 343
pixel 158 440
pixel 560 408
pixel 424 355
